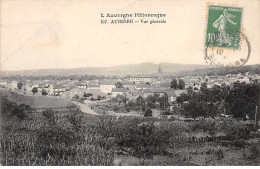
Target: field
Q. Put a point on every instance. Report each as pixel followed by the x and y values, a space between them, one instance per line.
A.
pixel 75 138
pixel 35 101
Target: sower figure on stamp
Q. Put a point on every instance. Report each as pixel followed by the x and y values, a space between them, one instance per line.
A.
pixel 220 24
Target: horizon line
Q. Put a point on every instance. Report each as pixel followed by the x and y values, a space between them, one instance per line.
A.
pixel 103 66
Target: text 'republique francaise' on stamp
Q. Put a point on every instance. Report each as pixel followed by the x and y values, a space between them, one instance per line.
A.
pixel 225 43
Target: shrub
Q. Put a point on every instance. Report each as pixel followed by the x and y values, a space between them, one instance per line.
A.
pixel 254 152
pixel 116 108
pixel 237 130
pixel 166 113
pixel 49 116
pixel 148 113
pixel 50 139
pixel 141 139
pixel 11 109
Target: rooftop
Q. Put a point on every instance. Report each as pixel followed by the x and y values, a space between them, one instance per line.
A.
pixel 119 90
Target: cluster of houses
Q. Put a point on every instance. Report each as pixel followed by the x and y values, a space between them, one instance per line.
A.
pixel 131 87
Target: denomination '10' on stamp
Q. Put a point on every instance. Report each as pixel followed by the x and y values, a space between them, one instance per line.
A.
pixel 224 26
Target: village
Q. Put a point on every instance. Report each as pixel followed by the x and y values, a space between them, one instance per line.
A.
pixel 122 94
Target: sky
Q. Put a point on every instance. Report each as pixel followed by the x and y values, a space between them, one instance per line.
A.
pixel 68 34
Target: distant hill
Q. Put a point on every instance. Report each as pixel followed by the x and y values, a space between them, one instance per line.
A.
pixel 222 71
pixel 131 69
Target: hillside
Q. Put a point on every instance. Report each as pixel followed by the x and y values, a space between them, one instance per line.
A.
pixel 131 69
pixel 34 101
pixel 222 71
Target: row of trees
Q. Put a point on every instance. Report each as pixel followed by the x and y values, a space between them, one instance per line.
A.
pixel 177 85
pixel 240 100
pixel 150 102
pixel 35 90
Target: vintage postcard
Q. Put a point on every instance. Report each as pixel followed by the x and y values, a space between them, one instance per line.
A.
pixel 129 83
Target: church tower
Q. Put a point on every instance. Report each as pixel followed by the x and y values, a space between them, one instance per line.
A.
pixel 159 70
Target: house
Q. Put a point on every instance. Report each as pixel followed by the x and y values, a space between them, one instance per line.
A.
pixel 165 84
pixel 50 89
pixel 179 92
pixel 68 95
pixel 28 88
pixel 133 94
pixel 197 85
pixel 107 86
pixel 94 94
pixel 159 92
pixel 142 86
pixel 41 87
pixel 58 89
pixel 189 84
pixel 3 83
pixel 244 79
pixel 128 85
pixel 118 91
pixel 81 85
pixel 172 97
pixel 140 79
pixel 147 92
pixel 93 86
pixel 209 85
pixel 13 84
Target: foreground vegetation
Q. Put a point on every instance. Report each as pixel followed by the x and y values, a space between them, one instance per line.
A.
pixel 74 138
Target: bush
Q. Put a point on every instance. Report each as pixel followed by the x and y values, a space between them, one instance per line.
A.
pixel 254 152
pixel 206 126
pixel 166 113
pixel 49 140
pixel 11 109
pixel 237 131
pixel 49 116
pixel 116 108
pixel 141 139
pixel 148 113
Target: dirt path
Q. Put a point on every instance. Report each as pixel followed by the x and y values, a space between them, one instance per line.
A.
pixel 112 113
pixel 85 108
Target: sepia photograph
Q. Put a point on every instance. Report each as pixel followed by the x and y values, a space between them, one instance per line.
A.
pixel 129 83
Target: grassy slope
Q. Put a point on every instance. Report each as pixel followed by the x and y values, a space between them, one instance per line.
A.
pixel 35 101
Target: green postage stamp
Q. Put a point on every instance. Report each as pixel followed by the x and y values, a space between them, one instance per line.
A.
pixel 224 26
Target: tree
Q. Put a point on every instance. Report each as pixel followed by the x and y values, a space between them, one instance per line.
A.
pixel 203 86
pixel 195 108
pixel 148 113
pixel 35 90
pixel 141 139
pixel 181 84
pixel 44 92
pixel 174 84
pixel 19 85
pixel 99 97
pixel 76 96
pixel 243 99
pixel 150 101
pixel 190 91
pixel 140 102
pixel 163 101
pixel 182 98
pixel 148 83
pixel 119 85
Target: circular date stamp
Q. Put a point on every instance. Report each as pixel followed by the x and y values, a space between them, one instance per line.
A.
pixel 227 57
